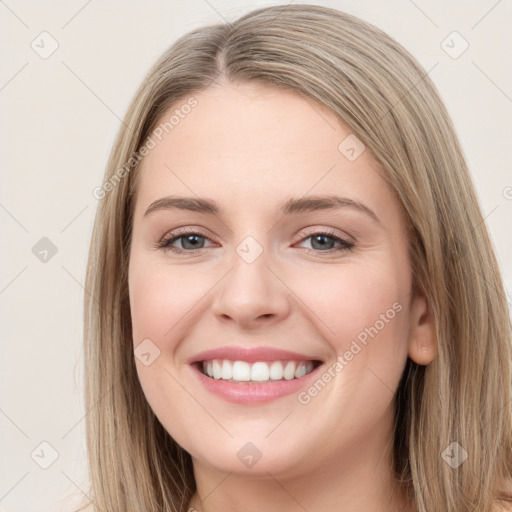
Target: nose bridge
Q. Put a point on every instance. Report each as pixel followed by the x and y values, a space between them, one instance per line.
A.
pixel 250 290
pixel 250 265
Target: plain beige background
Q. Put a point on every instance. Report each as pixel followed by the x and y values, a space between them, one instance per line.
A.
pixel 60 113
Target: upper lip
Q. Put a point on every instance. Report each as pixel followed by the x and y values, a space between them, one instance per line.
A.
pixel 250 355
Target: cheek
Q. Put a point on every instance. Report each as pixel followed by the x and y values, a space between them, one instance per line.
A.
pixel 361 310
pixel 352 298
pixel 161 296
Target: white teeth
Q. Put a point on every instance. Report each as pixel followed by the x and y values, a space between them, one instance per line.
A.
pixel 276 370
pixel 227 370
pixel 216 371
pixel 242 371
pixel 300 371
pixel 289 371
pixel 260 372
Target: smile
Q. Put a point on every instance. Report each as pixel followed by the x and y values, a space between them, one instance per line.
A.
pixel 245 389
pixel 260 371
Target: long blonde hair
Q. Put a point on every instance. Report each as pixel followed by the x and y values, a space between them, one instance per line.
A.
pixel 389 102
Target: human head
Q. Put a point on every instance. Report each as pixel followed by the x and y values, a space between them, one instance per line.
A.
pixel 377 89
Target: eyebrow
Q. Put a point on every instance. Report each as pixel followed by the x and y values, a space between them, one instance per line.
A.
pixel 288 207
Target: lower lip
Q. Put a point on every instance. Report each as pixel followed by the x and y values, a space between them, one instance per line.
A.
pixel 249 394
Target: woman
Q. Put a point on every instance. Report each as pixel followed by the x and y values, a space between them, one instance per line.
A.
pixel 293 299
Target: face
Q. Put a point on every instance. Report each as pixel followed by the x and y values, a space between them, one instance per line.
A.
pixel 275 266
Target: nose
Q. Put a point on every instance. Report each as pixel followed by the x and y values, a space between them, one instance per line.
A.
pixel 251 295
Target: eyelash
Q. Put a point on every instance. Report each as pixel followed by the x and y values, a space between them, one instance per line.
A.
pixel 166 242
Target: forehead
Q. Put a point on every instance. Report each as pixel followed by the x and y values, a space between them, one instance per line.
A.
pixel 248 144
pixel 253 120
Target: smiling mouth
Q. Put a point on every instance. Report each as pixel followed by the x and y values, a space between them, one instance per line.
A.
pixel 259 372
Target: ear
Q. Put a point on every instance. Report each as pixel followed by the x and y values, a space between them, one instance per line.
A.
pixel 422 337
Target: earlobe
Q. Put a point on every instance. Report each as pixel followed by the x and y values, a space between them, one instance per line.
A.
pixel 422 337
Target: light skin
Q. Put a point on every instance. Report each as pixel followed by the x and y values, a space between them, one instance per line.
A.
pixel 250 148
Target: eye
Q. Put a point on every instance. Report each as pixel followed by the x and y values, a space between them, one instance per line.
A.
pixel 323 241
pixel 191 241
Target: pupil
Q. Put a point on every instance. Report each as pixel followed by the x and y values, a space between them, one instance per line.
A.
pixel 317 237
pixel 190 239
